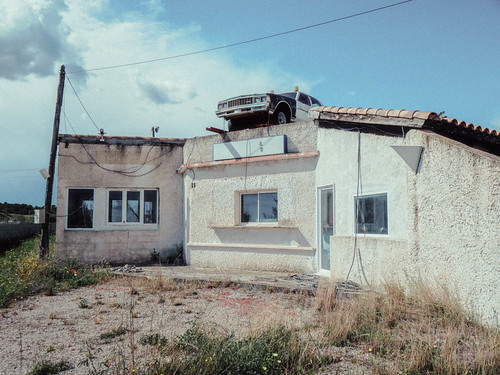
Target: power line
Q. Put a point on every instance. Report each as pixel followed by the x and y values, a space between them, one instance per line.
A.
pixel 244 42
pixel 85 109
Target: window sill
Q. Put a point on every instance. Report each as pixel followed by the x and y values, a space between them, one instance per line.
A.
pixel 255 226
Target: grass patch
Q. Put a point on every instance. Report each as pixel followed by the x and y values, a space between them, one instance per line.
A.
pixel 419 330
pixel 115 332
pixel 46 367
pixel 22 273
pixel 274 351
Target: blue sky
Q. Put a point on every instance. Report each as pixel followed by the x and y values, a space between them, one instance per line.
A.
pixel 421 55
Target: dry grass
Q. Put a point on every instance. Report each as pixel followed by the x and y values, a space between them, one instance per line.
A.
pixel 422 330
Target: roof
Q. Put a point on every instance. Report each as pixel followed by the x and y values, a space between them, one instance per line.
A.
pixel 124 140
pixel 474 135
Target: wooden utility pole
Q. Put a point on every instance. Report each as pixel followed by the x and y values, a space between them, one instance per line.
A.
pixel 43 251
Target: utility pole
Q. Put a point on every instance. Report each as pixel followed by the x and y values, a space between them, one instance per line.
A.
pixel 43 251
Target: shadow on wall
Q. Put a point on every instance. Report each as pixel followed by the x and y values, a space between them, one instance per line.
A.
pixel 168 257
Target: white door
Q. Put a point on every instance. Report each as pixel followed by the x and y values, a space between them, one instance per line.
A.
pixel 303 106
pixel 325 226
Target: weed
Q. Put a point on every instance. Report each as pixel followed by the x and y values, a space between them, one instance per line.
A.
pixel 46 367
pixel 274 351
pixel 89 361
pixel 83 303
pixel 154 340
pixel 115 332
pixel 22 273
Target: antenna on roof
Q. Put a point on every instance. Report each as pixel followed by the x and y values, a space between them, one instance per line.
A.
pixel 154 130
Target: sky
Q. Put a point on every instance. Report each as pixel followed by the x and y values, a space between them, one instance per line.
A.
pixel 428 55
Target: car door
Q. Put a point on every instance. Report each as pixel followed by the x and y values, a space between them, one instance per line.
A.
pixel 303 105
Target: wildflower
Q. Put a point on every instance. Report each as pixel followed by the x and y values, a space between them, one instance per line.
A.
pixel 275 354
pixel 370 350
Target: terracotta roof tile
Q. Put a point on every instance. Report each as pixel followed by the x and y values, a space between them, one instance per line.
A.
pixel 430 120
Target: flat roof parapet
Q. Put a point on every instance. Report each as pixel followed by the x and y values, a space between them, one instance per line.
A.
pixel 119 140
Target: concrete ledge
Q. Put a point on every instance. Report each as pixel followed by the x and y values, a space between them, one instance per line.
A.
pixel 208 164
pixel 239 246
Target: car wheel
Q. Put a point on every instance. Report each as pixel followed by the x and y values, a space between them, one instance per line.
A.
pixel 280 117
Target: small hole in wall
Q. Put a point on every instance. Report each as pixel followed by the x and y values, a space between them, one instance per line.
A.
pixel 193 185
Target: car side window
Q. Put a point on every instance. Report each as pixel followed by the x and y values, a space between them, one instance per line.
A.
pixel 315 102
pixel 304 99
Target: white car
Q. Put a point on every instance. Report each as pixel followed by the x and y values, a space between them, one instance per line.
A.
pixel 250 110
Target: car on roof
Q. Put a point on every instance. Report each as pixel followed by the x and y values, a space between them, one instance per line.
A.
pixel 246 111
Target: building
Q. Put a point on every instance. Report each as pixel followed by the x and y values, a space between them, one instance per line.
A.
pixel 369 195
pixel 121 197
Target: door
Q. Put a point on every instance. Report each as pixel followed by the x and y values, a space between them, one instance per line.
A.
pixel 303 106
pixel 325 226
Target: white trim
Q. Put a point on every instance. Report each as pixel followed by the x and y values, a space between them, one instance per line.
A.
pixel 124 224
pixel 240 193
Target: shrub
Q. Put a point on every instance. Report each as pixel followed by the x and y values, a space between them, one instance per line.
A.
pixel 22 273
pixel 46 367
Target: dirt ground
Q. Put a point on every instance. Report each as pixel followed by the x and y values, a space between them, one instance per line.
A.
pixel 68 325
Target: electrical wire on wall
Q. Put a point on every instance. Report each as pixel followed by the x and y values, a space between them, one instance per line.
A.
pixel 346 286
pixel 359 191
pixel 129 172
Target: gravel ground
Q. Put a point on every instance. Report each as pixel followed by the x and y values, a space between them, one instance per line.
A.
pixel 66 326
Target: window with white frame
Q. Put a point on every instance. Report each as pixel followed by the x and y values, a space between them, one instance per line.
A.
pixel 371 213
pixel 138 206
pixel 80 212
pixel 259 207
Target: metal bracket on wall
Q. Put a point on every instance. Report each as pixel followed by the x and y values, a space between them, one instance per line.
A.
pixel 410 154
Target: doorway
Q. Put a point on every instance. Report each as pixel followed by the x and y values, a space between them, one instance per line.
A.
pixel 325 226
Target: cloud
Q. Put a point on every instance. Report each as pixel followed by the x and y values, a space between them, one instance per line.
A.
pixel 33 38
pixel 166 92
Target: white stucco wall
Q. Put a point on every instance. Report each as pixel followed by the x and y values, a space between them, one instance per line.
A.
pixel 444 221
pixel 457 236
pixel 214 236
pixel 381 172
pixel 120 243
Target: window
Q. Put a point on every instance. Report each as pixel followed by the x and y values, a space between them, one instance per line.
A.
pixel 124 206
pixel 371 211
pixel 80 208
pixel 303 98
pixel 315 102
pixel 259 207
